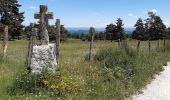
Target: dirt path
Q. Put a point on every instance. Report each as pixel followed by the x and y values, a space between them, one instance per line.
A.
pixel 159 89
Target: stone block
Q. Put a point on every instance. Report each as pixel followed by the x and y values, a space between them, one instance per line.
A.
pixel 43 56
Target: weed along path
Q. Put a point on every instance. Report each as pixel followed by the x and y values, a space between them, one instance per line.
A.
pixel 159 89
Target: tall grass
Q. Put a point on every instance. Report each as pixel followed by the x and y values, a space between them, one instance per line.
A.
pixel 115 74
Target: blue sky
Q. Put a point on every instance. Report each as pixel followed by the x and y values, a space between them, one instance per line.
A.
pixel 97 13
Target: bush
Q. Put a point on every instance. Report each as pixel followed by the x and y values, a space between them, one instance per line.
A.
pixel 167 46
pixel 53 85
pixel 118 61
pixel 133 70
pixel 27 83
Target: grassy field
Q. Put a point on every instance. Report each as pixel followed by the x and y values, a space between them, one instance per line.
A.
pixel 87 78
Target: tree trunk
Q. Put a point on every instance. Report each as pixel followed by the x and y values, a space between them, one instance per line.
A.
pixel 138 45
pixel 58 40
pixel 158 44
pixel 5 42
pixel 119 42
pixel 149 44
pixel 164 43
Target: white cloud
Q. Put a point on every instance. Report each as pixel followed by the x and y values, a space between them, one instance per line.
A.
pixel 132 15
pixel 153 10
pixel 32 7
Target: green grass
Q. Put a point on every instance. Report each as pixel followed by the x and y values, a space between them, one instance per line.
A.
pixel 89 78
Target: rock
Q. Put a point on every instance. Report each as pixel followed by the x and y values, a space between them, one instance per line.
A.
pixel 43 56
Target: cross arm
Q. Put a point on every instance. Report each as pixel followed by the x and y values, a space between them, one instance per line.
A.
pixel 37 16
pixel 49 15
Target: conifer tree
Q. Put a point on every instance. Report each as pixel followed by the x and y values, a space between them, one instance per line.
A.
pixel 115 32
pixel 154 27
pixel 11 19
pixel 120 34
pixel 139 31
pixel 10 15
pixel 110 32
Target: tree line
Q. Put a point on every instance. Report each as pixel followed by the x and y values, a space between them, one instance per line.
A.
pixel 151 28
pixel 64 33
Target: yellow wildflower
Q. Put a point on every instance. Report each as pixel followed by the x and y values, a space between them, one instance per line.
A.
pixel 45 82
pixel 53 86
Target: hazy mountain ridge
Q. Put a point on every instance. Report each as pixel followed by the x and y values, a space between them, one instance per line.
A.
pixel 85 30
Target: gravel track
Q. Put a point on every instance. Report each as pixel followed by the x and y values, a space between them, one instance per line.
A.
pixel 158 89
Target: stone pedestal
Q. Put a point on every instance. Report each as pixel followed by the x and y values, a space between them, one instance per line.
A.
pixel 43 56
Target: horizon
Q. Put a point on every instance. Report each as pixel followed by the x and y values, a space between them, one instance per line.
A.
pixel 98 14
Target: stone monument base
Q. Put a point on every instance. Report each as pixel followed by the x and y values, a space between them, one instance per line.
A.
pixel 43 56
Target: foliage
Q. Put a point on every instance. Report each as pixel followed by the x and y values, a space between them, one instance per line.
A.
pixel 167 45
pixel 138 33
pixel 77 79
pixel 63 32
pixel 10 15
pixel 168 33
pixel 110 32
pixel 52 32
pixel 86 37
pixel 115 32
pixel 154 27
pixel 60 85
pixel 39 84
pixel 118 61
pixel 27 83
pixel 129 68
pixel 28 29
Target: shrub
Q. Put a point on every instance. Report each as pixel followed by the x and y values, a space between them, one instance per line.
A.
pixel 60 85
pixel 118 61
pixel 133 70
pixel 27 83
pixel 54 85
pixel 167 46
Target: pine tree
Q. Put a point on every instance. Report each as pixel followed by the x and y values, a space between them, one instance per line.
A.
pixel 168 33
pixel 115 32
pixel 120 34
pixel 10 15
pixel 110 32
pixel 160 28
pixel 139 31
pixel 11 19
pixel 154 26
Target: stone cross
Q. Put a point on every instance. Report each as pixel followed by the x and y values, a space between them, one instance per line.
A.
pixel 43 15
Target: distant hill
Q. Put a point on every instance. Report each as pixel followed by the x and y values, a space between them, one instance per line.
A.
pixel 84 30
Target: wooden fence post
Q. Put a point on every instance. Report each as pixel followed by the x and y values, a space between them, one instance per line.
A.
pixel 159 44
pixel 164 44
pixel 5 42
pixel 91 32
pixel 30 46
pixel 119 42
pixel 58 40
pixel 149 44
pixel 138 46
